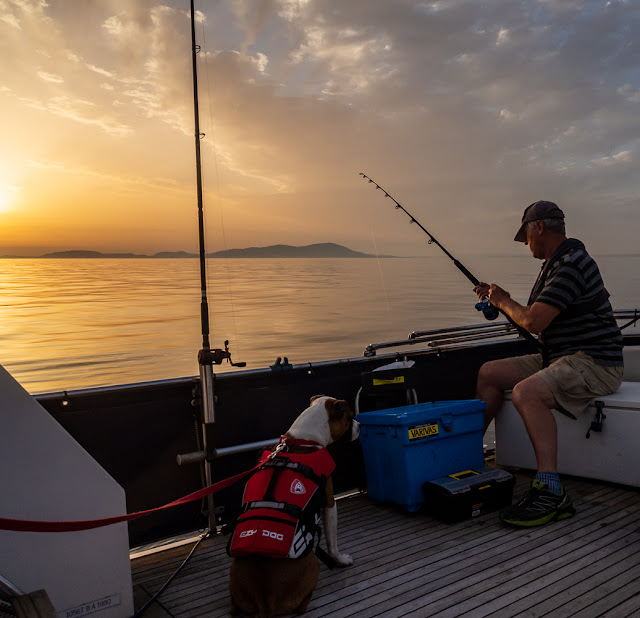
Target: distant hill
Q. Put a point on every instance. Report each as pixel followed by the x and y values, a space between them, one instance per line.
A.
pixel 174 254
pixel 89 254
pixel 318 250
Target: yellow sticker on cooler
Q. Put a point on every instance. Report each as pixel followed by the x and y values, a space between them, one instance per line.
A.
pixel 423 431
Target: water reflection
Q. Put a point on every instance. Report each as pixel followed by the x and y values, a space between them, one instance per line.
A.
pixel 68 324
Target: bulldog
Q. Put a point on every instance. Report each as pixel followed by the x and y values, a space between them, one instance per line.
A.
pixel 265 586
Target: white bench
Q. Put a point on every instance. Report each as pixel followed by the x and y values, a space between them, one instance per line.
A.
pixel 610 455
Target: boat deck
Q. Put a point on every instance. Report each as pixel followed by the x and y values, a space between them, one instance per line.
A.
pixel 413 565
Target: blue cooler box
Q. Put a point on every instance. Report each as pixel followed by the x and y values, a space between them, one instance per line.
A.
pixel 408 446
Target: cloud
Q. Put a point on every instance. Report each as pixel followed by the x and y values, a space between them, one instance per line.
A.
pixel 114 26
pixel 624 157
pixel 463 107
pixel 48 77
pixel 123 183
pixel 12 20
pixel 81 111
pixel 100 71
pixel 630 93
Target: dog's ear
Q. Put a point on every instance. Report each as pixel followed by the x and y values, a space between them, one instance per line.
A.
pixel 338 409
pixel 316 397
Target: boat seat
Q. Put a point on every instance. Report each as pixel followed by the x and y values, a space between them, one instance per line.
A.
pixel 610 454
pixel 631 364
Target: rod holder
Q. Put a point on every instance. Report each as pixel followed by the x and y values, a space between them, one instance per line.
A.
pixel 198 456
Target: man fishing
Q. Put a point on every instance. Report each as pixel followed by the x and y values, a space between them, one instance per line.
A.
pixel 581 354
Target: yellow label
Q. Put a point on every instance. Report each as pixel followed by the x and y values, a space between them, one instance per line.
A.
pixel 381 382
pixel 424 431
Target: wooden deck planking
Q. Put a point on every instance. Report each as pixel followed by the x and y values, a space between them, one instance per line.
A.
pixel 410 564
pixel 510 565
pixel 485 604
pixel 629 607
pixel 479 544
pixel 614 562
pixel 451 577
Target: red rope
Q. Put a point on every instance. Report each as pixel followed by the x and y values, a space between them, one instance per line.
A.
pixel 22 525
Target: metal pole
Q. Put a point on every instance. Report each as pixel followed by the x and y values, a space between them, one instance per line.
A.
pixel 197 456
pixel 204 357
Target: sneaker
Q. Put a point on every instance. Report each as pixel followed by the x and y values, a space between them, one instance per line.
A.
pixel 538 506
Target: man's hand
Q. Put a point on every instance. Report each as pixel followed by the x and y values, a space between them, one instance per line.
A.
pixel 497 296
pixel 534 318
pixel 495 293
pixel 482 290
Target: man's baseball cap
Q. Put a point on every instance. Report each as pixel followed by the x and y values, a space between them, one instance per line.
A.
pixel 535 212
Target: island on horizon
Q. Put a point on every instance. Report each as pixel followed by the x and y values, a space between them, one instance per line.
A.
pixel 317 250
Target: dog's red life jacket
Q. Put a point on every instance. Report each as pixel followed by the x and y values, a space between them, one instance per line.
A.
pixel 281 507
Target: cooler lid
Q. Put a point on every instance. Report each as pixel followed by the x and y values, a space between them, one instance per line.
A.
pixel 408 415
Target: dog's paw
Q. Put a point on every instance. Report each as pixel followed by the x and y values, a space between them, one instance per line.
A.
pixel 343 560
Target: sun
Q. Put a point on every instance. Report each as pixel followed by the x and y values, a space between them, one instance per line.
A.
pixel 6 194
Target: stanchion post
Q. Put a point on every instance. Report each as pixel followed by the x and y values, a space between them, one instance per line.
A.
pixel 208 420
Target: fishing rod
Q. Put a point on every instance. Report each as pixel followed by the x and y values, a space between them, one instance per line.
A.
pixel 489 311
pixel 207 356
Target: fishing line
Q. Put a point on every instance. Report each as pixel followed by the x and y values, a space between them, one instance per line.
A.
pixel 217 176
pixel 523 332
pixel 384 287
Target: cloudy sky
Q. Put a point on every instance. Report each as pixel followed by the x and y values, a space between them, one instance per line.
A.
pixel 465 111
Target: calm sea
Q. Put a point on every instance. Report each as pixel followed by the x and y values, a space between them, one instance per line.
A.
pixel 67 324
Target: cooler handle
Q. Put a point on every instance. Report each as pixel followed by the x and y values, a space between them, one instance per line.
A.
pixel 446 420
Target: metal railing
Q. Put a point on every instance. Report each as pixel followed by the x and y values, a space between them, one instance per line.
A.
pixel 198 456
pixel 449 337
pixel 464 335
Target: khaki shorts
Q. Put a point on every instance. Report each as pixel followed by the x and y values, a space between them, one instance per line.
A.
pixel 574 380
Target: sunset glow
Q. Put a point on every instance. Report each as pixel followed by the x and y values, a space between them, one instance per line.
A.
pixel 8 195
pixel 465 111
pixel 4 199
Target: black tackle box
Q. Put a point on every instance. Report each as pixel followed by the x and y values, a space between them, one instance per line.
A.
pixel 468 493
pixel 389 386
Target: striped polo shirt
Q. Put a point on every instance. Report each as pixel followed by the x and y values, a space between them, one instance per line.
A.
pixel 570 280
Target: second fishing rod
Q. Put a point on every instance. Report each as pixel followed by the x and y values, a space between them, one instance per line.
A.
pixel 489 311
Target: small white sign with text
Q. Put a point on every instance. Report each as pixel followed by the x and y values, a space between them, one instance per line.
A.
pixel 92 606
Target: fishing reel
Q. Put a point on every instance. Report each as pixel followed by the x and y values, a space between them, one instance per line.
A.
pixel 215 357
pixel 488 310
